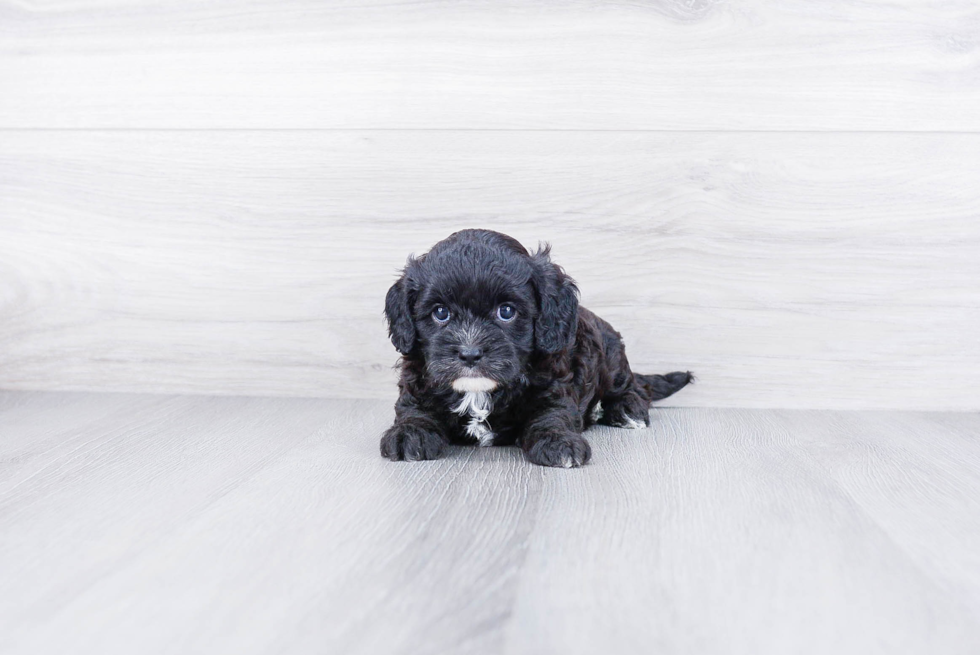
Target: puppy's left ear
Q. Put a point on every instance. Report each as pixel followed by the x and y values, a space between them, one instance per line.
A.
pixel 398 311
pixel 554 329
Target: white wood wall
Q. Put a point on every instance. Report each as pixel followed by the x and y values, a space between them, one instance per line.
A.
pixel 213 197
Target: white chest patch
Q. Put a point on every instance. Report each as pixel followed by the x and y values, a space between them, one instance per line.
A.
pixel 477 405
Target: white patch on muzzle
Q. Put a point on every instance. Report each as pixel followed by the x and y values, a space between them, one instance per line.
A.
pixel 476 385
pixel 476 403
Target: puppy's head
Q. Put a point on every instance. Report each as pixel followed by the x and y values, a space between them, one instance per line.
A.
pixel 476 308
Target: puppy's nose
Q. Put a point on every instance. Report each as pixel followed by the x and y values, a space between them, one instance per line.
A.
pixel 470 354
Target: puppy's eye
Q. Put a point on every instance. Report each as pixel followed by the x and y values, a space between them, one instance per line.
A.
pixel 506 312
pixel 441 314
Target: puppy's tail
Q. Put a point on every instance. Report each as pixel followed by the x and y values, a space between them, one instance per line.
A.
pixel 659 387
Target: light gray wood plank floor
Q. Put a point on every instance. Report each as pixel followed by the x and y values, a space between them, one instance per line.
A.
pixel 179 524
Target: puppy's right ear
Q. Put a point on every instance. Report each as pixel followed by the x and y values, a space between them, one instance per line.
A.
pixel 398 311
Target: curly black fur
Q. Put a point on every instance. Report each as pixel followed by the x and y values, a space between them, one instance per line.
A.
pixel 553 363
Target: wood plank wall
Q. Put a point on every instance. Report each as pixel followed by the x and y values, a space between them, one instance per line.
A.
pixel 210 197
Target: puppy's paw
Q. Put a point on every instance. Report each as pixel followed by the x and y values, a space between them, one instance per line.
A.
pixel 411 443
pixel 564 451
pixel 624 420
pixel 629 412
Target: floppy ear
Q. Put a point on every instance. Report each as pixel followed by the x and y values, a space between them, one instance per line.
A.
pixel 554 328
pixel 398 311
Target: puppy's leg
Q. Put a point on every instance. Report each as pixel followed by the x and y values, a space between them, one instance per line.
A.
pixel 626 404
pixel 628 410
pixel 631 408
pixel 415 435
pixel 553 436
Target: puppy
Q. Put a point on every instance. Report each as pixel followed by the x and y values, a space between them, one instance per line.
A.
pixel 497 351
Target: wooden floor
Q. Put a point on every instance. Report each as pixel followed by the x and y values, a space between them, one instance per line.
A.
pixel 152 524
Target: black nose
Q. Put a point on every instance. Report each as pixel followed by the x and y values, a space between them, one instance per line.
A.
pixel 470 354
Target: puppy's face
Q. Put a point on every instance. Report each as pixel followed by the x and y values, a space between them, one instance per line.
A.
pixel 476 307
pixel 476 326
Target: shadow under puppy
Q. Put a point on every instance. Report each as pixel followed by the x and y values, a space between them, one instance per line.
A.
pixel 497 351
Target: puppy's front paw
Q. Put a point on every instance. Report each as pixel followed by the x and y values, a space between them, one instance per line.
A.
pixel 565 451
pixel 411 443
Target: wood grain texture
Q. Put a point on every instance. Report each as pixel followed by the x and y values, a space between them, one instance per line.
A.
pixel 159 524
pixel 786 270
pixel 744 537
pixel 658 65
pixel 292 531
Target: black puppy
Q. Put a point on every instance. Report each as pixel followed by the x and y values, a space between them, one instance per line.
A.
pixel 497 351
